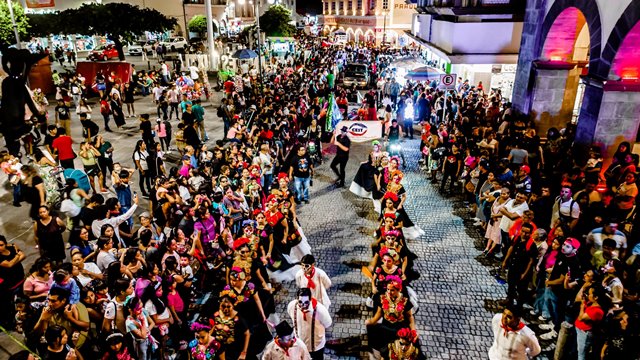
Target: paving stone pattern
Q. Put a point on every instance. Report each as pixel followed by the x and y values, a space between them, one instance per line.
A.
pixel 457 294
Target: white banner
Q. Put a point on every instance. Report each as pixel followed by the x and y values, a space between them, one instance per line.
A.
pixel 361 131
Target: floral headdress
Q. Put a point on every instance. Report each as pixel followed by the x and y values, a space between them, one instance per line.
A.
pixel 408 334
pixel 394 232
pixel 394 281
pixel 390 195
pixel 397 173
pixel 390 216
pixel 396 158
pixel 197 327
pixel 283 176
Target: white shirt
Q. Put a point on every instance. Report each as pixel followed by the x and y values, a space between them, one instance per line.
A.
pixel 90 267
pixel 298 351
pixel 566 209
pixel 322 281
pixel 303 327
pixel 505 222
pixel 165 70
pixel 193 72
pixel 96 225
pixel 104 258
pixel 516 345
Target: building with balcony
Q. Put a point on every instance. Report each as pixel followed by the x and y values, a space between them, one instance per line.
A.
pixel 580 62
pixel 369 21
pixel 476 39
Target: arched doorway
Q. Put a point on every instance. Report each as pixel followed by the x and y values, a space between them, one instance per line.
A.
pixel 350 35
pixel 564 57
pixel 369 36
pixel 358 35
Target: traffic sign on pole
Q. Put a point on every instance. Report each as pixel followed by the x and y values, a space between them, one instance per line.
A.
pixel 448 80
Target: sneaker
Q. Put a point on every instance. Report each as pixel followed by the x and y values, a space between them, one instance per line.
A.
pixel 543 319
pixel 476 219
pixel 550 335
pixel 545 326
pixel 534 313
pixel 477 223
pixel 527 307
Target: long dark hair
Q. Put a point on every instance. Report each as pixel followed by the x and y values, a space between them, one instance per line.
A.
pixel 149 294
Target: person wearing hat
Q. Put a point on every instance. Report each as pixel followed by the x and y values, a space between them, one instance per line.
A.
pixel 342 143
pixel 310 321
pixel 315 279
pixel 286 346
pixel 523 179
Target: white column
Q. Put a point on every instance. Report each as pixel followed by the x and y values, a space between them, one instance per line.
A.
pixel 210 33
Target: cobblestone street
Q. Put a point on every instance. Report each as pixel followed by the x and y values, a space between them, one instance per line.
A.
pixel 456 292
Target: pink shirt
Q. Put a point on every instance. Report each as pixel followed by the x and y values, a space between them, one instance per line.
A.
pixel 174 299
pixel 161 130
pixel 36 286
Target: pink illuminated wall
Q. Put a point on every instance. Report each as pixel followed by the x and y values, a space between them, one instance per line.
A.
pixel 627 61
pixel 561 39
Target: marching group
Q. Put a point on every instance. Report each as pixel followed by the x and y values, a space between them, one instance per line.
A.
pixel 219 235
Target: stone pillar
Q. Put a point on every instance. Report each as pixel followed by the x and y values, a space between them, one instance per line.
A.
pixel 589 112
pixel 554 95
pixel 530 45
pixel 619 116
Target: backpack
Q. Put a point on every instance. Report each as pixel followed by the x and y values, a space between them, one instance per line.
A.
pixel 220 112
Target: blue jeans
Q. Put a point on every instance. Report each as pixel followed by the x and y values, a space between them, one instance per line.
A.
pixel 547 305
pixel 583 340
pixel 302 188
pixel 17 193
pixel 267 180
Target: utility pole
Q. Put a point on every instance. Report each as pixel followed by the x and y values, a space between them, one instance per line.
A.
pixel 255 7
pixel 209 32
pixel 184 16
pixel 15 26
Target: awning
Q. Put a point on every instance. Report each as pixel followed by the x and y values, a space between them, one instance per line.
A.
pixel 465 58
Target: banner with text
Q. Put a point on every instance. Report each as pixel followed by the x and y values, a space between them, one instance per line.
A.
pixel 35 4
pixel 361 131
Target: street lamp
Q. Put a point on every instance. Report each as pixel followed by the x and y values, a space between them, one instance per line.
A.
pixel 15 26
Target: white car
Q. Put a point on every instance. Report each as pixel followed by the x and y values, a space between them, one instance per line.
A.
pixel 176 43
pixel 150 46
pixel 134 50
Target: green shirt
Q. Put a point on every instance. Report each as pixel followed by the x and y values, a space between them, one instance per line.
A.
pixel 198 112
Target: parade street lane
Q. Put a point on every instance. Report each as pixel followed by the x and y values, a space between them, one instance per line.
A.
pixel 454 289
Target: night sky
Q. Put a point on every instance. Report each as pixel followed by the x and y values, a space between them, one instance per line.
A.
pixel 313 7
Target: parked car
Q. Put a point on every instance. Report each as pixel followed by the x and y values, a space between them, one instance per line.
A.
pixel 356 74
pixel 103 53
pixel 150 46
pixel 135 49
pixel 176 43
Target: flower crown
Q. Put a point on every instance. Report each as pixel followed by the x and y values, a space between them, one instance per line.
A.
pixel 408 334
pixel 394 280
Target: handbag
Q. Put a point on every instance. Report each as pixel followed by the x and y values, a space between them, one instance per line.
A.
pixel 470 187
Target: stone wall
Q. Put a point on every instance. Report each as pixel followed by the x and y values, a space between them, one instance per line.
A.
pixel 529 48
pixel 550 106
pixel 618 120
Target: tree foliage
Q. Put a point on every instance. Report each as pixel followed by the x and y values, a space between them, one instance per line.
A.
pixel 277 22
pixel 120 22
pixel 7 36
pixel 198 25
pixel 43 25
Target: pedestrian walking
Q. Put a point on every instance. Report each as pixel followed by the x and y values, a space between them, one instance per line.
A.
pixel 310 322
pixel 339 163
pixel 512 339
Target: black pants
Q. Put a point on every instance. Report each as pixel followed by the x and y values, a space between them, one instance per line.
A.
pixel 67 164
pixel 408 128
pixel 174 107
pixel 448 175
pixel 317 355
pixel 106 122
pixel 145 179
pixel 516 288
pixel 342 161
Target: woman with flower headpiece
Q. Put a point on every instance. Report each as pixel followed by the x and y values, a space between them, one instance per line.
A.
pixel 387 166
pixel 204 346
pixel 231 331
pixel 409 229
pixel 243 259
pixel 395 248
pixel 297 245
pixel 363 183
pixel 394 308
pixel 249 305
pixel 405 347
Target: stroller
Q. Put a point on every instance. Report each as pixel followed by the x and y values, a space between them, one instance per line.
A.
pixel 59 176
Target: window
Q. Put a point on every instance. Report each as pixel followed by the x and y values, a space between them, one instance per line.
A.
pixel 372 5
pixel 349 5
pixel 340 5
pixel 326 7
pixel 333 6
pixel 359 4
pixel 385 4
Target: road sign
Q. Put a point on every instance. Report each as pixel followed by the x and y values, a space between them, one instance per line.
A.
pixel 448 80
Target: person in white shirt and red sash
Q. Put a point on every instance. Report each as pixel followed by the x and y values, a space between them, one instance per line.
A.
pixel 512 339
pixel 286 346
pixel 315 279
pixel 310 321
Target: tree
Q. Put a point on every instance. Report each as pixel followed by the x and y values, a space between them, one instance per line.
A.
pixel 277 22
pixel 120 22
pixel 43 25
pixel 7 36
pixel 198 25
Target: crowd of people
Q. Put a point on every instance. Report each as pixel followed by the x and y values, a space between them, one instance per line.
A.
pixel 116 280
pixel 222 225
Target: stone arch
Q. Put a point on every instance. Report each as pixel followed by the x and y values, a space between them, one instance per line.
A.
pixel 350 35
pixel 591 13
pixel 359 35
pixel 369 36
pixel 627 25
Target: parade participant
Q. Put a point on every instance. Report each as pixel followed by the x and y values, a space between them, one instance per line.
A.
pixel 394 308
pixel 286 346
pixel 405 347
pixel 204 346
pixel 310 321
pixel 512 339
pixel 315 279
pixel 364 183
pixel 342 143
pixel 409 229
pixel 231 331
